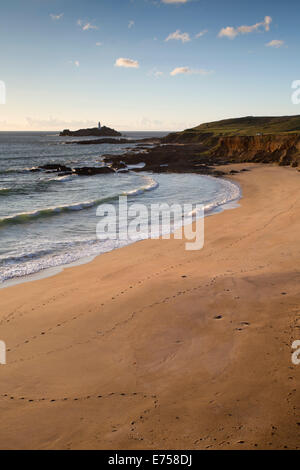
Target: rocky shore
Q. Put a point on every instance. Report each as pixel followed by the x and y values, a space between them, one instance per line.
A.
pixel 114 141
pixel 201 149
pixel 187 158
pixel 63 170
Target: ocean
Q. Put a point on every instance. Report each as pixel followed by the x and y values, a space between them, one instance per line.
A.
pixel 47 220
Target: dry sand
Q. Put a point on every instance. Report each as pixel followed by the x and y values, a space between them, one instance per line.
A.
pixel 126 353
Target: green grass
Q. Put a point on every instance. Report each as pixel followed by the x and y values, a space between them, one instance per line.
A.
pixel 248 126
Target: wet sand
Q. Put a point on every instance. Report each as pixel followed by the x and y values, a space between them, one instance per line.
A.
pixel 155 347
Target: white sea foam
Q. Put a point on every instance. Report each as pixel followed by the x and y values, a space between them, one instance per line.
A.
pixel 137 165
pixel 47 255
pixel 152 184
pixel 64 178
pixel 25 217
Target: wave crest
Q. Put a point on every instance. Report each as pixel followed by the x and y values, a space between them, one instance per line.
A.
pixel 25 217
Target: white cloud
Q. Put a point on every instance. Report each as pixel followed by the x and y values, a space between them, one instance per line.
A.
pixel 86 26
pixel 189 71
pixel 56 17
pixel 174 1
pixel 128 63
pixel 130 24
pixel 268 21
pixel 98 44
pixel 249 29
pixel 275 43
pixel 201 33
pixel 230 32
pixel 178 36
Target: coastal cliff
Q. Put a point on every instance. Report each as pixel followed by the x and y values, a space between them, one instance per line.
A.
pixel 206 147
pixel 248 139
pixel 281 149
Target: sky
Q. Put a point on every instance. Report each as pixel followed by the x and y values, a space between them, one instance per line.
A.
pixel 145 64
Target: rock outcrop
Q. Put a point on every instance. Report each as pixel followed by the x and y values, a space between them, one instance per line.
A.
pixel 63 170
pixel 101 141
pixel 188 158
pixel 94 131
pixel 115 141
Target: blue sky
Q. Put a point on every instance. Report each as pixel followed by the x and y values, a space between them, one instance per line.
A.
pixel 145 64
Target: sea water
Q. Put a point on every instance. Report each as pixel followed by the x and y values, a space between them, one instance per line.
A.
pixel 47 220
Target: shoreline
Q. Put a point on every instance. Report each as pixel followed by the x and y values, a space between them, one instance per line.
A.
pixel 154 347
pixel 54 270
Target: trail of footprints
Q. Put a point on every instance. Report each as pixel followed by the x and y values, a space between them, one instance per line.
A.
pixel 134 285
pixel 109 330
pixel 10 317
pixel 118 395
pixel 103 333
pixel 62 323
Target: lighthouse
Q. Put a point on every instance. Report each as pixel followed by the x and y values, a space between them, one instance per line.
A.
pixel 99 125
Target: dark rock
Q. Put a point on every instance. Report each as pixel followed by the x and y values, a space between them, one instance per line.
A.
pixel 118 165
pixel 90 170
pixel 144 146
pixel 55 167
pixel 100 141
pixel 171 158
pixel 81 171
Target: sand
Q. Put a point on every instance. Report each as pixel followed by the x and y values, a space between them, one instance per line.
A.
pixel 152 346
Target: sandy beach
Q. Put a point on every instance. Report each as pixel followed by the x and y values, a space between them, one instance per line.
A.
pixel 152 346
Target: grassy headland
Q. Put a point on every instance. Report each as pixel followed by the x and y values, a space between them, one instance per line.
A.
pixel 247 126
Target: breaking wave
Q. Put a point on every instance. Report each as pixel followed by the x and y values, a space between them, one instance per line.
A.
pixel 25 217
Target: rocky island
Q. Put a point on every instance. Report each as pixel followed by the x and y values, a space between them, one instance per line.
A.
pixel 99 131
